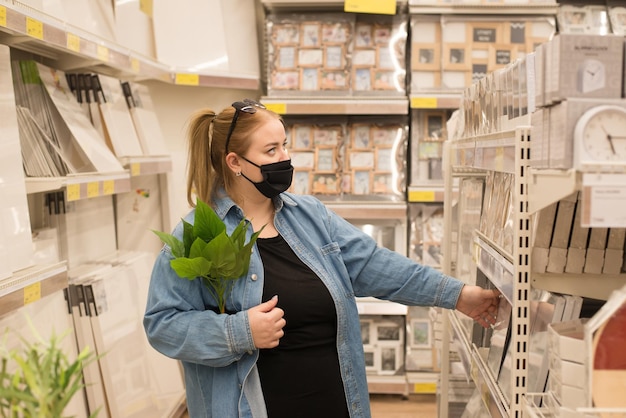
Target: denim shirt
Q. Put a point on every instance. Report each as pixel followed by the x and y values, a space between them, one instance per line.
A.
pixel 217 350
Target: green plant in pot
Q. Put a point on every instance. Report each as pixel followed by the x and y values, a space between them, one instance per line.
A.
pixel 39 380
pixel 208 252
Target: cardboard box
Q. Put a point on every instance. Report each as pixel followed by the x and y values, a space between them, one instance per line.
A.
pixel 567 340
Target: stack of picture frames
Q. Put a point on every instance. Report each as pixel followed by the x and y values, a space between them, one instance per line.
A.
pixel 359 157
pixel 452 52
pixel 335 54
pixel 383 343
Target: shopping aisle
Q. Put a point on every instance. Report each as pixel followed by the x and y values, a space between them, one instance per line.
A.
pixel 394 406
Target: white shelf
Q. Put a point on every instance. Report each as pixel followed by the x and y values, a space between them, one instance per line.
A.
pixel 373 306
pixel 81 186
pixel 435 100
pixel 139 166
pixel 549 186
pixel 595 286
pixel 420 7
pixel 496 264
pixel 426 194
pixel 315 105
pixel 396 384
pixel 369 210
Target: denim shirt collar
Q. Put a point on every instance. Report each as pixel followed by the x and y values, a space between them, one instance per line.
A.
pixel 223 204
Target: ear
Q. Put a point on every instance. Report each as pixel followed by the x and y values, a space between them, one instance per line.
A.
pixel 232 161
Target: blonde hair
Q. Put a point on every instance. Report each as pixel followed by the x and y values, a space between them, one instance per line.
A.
pixel 207 172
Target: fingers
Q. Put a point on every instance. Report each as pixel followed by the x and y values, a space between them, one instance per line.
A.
pixel 266 324
pixel 269 305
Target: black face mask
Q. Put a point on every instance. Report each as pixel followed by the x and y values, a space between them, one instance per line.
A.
pixel 276 177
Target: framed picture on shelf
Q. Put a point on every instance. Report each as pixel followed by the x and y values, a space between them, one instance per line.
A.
pixel 303 160
pixel 456 57
pixel 425 57
pixel 310 35
pixel 434 125
pixel 302 138
pixel 388 331
pixel 286 58
pixel 363 36
pixel 484 33
pixel 326 135
pixel 362 159
pixel 384 159
pixel 309 79
pixel 385 58
pixel 364 58
pixel 420 333
pixel 370 359
pixel 362 79
pixel 361 182
pixel 285 80
pixel 382 34
pixel 384 136
pixel 346 182
pixel 390 358
pixel 386 80
pixel 360 136
pixel 515 32
pixel 501 55
pixel 334 57
pixel 301 182
pixel 286 34
pixel 324 183
pixel 382 183
pixel 333 80
pixel 326 159
pixel 310 57
pixel 335 33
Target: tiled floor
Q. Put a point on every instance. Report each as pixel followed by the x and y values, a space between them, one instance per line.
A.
pixel 394 406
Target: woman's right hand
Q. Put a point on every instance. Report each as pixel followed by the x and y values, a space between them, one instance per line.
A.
pixel 266 323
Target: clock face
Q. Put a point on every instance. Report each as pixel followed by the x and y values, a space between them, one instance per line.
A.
pixel 600 135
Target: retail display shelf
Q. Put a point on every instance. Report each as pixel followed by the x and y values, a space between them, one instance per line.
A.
pixel 338 106
pixel 31 284
pixel 544 405
pixel 82 186
pixel 373 306
pixel 139 166
pixel 422 382
pixel 495 263
pixel 428 7
pixel 461 340
pixel 549 185
pixel 392 384
pixel 369 210
pixel 319 4
pixel 426 194
pixel 579 284
pixel 440 100
pixel 69 48
pixel 486 152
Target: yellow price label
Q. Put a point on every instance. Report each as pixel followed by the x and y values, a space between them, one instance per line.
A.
pixel 424 103
pixel 3 16
pixel 421 196
pixel 73 42
pixel 103 53
pixel 499 159
pixel 73 192
pixel 425 387
pixel 146 6
pixel 135 65
pixel 34 28
pixel 108 187
pixel 135 169
pixel 93 189
pixel 32 293
pixel 280 108
pixel 185 79
pixel 381 7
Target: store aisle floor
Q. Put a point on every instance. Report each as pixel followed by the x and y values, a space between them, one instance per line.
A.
pixel 394 406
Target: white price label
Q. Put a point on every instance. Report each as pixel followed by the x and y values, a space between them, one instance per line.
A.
pixel 603 200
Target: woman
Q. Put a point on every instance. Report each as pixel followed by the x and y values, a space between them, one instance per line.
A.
pixel 290 344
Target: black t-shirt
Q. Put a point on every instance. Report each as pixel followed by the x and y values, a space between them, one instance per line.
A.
pixel 301 377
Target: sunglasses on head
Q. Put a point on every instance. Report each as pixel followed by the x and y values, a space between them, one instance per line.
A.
pixel 245 106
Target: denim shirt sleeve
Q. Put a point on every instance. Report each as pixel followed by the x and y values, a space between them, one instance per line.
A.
pixel 179 326
pixel 388 275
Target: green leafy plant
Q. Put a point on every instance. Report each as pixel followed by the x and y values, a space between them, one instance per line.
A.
pixel 44 379
pixel 208 252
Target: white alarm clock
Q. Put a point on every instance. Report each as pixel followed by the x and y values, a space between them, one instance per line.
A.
pixel 600 139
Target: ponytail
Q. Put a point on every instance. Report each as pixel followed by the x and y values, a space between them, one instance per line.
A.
pixel 201 175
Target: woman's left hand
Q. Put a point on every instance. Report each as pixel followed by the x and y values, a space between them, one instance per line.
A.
pixel 479 304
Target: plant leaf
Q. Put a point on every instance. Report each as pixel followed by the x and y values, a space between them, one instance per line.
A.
pixel 190 268
pixel 188 237
pixel 197 249
pixel 206 225
pixel 173 242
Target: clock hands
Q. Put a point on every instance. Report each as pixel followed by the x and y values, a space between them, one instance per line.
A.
pixel 610 139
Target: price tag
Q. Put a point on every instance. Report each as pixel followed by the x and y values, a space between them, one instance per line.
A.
pixel 425 388
pixel 3 16
pixel 73 42
pixel 187 79
pixel 103 53
pixel 135 169
pixel 108 187
pixel 135 65
pixel 32 293
pixel 34 28
pixel 421 196
pixel 93 189
pixel 280 108
pixel 424 103
pixel 73 192
pixel 603 200
pixel 381 7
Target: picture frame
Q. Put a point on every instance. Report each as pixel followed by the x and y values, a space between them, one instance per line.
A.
pixel 360 136
pixel 286 34
pixel 334 80
pixel 302 137
pixel 386 80
pixel 311 57
pixel 303 160
pixel 382 34
pixel 364 58
pixel 501 55
pixel 425 57
pixel 346 182
pixel 285 80
pixel 335 33
pixel 301 182
pixel 515 32
pixel 457 57
pixel 363 36
pixel 362 159
pixel 334 57
pixel 385 58
pixel 390 359
pixel 382 183
pixel 384 160
pixel 310 35
pixel 286 58
pixel 434 124
pixel 367 332
pixel 385 135
pixel 617 17
pixel 572 19
pixel 361 182
pixel 328 135
pixel 388 332
pixel 370 360
pixel 325 183
pixel 325 159
pixel 309 79
pixel 362 79
pixel 481 34
pixel 421 333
